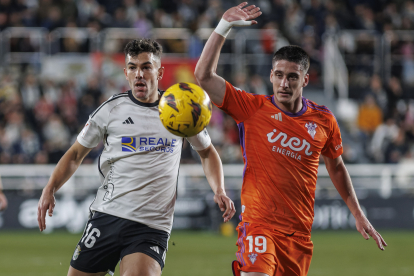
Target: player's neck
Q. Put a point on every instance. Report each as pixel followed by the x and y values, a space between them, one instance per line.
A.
pixel 290 107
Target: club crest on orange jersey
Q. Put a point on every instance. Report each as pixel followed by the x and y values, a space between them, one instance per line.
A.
pixel 311 129
pixel 252 257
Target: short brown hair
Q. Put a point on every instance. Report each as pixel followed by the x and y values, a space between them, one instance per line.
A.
pixel 144 45
pixel 294 54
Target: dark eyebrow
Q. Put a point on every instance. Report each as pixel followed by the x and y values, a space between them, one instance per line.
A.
pixel 131 63
pixel 148 62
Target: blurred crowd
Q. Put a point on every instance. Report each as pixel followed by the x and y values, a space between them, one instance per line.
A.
pixel 40 117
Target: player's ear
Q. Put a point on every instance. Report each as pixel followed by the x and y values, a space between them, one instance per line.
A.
pixel 160 73
pixel 125 72
pixel 271 74
pixel 306 80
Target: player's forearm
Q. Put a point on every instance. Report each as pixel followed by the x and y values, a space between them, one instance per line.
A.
pixel 65 168
pixel 342 181
pixel 207 64
pixel 213 169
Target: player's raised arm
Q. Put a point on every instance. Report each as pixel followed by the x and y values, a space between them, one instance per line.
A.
pixel 65 168
pixel 213 170
pixel 205 71
pixel 342 181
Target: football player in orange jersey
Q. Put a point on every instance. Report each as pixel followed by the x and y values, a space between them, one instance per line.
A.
pixel 282 137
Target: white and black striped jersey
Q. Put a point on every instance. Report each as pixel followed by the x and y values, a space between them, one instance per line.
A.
pixel 139 164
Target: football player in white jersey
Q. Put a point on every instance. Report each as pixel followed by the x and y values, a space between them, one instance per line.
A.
pixel 132 214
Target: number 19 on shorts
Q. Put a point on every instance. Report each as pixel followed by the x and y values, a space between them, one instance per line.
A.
pixel 259 245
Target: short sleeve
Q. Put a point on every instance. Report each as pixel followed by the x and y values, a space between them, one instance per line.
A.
pixel 92 133
pixel 200 141
pixel 333 147
pixel 239 104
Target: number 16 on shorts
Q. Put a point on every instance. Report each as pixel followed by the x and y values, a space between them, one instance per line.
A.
pixel 89 238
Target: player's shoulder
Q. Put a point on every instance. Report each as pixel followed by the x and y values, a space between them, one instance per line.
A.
pixel 111 102
pixel 321 110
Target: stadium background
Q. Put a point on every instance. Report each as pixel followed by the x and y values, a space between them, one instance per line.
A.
pixel 60 59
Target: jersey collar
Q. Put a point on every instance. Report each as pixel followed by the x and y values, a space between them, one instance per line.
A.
pixel 297 114
pixel 160 92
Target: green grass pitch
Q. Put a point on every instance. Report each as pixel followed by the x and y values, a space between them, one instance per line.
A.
pixel 204 253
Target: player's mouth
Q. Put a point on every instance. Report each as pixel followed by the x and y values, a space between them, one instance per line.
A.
pixel 284 93
pixel 140 86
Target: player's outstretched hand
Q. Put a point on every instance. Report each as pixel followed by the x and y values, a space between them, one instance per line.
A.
pixel 3 202
pixel 226 205
pixel 46 202
pixel 366 229
pixel 243 15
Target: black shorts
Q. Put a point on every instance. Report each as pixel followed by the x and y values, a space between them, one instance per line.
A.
pixel 107 239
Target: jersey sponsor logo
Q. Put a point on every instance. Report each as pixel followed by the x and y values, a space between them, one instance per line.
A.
pixel 156 249
pixel 293 143
pixel 128 121
pixel 77 252
pixel 277 116
pixel 311 129
pixel 129 144
pixel 252 257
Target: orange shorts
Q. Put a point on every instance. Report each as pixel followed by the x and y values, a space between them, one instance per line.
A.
pixel 265 250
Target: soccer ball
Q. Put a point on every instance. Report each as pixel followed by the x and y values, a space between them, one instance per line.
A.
pixel 185 109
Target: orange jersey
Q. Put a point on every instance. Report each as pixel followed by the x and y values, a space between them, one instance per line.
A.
pixel 281 154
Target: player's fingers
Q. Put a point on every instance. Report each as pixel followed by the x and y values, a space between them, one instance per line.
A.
pixel 51 207
pixel 220 203
pixel 233 210
pixel 364 234
pixel 378 239
pixel 227 203
pixel 382 240
pixel 253 9
pixel 41 212
pixel 249 8
pixel 241 5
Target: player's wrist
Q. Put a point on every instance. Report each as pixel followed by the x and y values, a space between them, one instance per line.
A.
pixel 223 28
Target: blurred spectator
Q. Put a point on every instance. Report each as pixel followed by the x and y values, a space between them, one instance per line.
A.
pixel 131 11
pixel 30 91
pixel 383 135
pixel 369 116
pixel 142 25
pixel 119 19
pixel 57 138
pixel 258 86
pixel 397 149
pixel 394 94
pixel 86 10
pixel 379 93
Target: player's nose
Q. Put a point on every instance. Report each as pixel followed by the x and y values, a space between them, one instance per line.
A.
pixel 139 74
pixel 284 82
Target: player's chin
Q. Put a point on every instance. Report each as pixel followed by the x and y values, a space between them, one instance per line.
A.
pixel 283 98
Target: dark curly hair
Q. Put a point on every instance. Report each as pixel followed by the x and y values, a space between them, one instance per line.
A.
pixel 144 45
pixel 294 54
